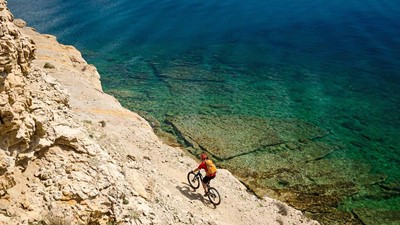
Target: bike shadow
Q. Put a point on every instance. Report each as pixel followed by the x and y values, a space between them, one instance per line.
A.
pixel 191 194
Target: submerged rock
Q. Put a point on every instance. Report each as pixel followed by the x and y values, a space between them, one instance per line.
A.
pixel 382 217
pixel 309 179
pixel 284 159
pixel 219 134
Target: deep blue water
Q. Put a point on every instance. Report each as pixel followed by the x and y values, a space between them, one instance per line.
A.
pixel 332 63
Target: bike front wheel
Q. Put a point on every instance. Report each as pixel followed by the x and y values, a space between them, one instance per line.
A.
pixel 213 196
pixel 194 181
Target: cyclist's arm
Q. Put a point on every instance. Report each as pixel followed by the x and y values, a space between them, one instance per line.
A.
pixel 197 169
pixel 201 166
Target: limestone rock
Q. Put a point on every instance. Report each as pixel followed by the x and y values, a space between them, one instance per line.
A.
pixel 7 181
pixel 17 50
pixel 17 124
pixel 19 23
pixel 134 180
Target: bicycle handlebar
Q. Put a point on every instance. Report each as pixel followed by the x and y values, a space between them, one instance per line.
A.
pixel 198 173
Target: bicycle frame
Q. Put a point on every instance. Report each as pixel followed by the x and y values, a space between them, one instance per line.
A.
pixel 194 180
pixel 200 176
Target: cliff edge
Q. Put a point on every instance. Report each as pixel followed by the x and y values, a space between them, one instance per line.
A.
pixel 71 154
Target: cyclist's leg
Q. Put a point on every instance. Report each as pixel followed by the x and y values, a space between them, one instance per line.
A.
pixel 204 187
pixel 206 180
pixel 204 183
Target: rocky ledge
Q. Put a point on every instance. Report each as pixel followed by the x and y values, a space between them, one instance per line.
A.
pixel 70 154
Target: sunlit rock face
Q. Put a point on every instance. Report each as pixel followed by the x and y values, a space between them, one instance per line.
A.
pixel 46 158
pixel 16 124
pixel 17 51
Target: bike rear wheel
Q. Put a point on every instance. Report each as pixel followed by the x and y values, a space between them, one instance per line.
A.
pixel 213 196
pixel 194 181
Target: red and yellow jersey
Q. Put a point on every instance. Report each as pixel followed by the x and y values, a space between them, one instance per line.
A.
pixel 209 166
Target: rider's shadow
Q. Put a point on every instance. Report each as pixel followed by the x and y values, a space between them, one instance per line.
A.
pixel 191 194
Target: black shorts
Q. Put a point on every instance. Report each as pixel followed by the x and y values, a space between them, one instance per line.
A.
pixel 207 179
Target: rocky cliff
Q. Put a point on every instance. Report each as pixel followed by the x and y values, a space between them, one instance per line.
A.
pixel 70 154
pixel 17 121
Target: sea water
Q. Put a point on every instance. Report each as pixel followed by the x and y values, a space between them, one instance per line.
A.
pixel 332 65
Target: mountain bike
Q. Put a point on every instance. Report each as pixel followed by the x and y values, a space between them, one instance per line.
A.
pixel 195 179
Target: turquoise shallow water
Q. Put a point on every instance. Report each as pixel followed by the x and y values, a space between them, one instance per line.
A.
pixel 333 64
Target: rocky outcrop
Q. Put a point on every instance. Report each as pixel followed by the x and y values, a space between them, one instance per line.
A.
pixel 17 51
pixel 17 124
pixel 44 151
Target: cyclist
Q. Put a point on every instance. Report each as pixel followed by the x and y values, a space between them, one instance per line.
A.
pixel 210 168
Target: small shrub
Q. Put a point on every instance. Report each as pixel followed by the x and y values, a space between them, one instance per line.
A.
pixel 48 65
pixel 53 219
pixel 37 223
pixel 125 201
pixel 94 161
pixel 279 221
pixel 134 214
pixel 87 121
pixel 102 123
pixel 282 209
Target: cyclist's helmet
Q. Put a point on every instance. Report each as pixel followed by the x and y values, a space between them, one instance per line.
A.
pixel 203 156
